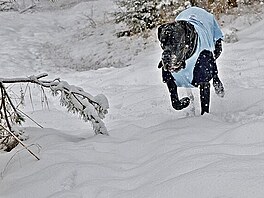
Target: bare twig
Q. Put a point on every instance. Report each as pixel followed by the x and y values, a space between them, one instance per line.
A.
pixel 28 8
pixel 30 97
pixel 13 156
pixel 17 139
pixel 4 106
pixel 45 98
pixel 30 118
pixel 7 96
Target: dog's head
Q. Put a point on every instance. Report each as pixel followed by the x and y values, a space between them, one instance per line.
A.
pixel 172 38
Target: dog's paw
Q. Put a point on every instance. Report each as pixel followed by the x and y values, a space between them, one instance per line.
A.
pixel 181 104
pixel 221 94
pixel 219 89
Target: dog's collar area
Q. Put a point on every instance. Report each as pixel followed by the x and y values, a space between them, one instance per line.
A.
pixel 175 67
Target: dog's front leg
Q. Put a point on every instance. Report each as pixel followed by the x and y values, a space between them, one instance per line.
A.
pixel 171 84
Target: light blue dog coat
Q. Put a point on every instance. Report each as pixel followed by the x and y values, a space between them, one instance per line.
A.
pixel 208 33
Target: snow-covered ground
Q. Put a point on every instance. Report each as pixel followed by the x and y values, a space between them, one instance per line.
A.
pixel 153 151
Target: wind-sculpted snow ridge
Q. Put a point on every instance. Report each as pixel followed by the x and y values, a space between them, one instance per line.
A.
pixel 152 151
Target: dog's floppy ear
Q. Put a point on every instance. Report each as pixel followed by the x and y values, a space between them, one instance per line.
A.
pixel 160 65
pixel 160 30
pixel 165 26
pixel 189 28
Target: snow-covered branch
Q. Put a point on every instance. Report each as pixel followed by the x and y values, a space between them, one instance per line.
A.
pixel 74 98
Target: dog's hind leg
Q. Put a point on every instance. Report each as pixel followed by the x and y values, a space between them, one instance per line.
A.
pixel 205 97
pixel 192 107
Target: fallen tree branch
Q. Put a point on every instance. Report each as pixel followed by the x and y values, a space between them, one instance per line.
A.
pixel 75 99
pixel 18 80
pixel 47 84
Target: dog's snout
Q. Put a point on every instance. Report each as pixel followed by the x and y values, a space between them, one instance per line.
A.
pixel 166 59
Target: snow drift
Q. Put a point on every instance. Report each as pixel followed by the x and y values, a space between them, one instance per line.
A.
pixel 152 151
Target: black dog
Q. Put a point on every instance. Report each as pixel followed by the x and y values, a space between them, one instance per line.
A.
pixel 191 46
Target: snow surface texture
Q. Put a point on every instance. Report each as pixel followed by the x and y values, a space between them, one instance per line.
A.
pixel 152 151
